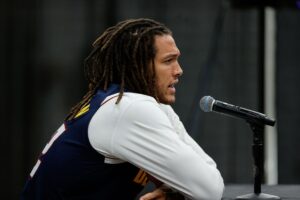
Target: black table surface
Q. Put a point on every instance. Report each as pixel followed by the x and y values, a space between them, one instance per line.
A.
pixel 285 192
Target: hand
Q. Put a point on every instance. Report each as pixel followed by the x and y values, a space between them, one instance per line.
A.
pixel 157 194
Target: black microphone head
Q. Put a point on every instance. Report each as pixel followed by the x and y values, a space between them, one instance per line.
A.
pixel 206 103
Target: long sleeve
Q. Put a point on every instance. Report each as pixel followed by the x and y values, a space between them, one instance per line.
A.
pixel 142 134
pixel 182 133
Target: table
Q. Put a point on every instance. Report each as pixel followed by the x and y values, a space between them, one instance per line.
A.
pixel 285 192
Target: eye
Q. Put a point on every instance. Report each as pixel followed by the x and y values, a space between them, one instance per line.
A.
pixel 168 60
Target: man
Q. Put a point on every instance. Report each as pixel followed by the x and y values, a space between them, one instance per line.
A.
pixel 124 133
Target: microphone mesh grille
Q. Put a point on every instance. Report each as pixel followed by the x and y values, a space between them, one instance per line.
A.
pixel 206 103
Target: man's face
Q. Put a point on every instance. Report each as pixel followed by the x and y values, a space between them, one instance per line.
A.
pixel 167 68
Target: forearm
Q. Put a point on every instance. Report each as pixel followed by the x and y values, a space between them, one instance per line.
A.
pixel 177 165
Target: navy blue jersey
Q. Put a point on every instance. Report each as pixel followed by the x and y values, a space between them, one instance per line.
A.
pixel 69 167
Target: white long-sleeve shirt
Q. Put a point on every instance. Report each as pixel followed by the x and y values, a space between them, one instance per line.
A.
pixel 150 135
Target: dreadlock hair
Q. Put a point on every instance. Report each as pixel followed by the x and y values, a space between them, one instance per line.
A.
pixel 124 54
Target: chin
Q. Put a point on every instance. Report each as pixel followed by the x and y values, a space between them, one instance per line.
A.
pixel 168 100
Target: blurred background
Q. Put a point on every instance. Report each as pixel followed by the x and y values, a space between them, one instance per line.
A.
pixel 237 51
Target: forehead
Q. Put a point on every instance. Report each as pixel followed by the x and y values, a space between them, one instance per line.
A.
pixel 165 45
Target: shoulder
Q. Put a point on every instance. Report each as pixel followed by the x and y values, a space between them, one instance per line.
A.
pixel 133 108
pixel 139 107
pixel 135 114
pixel 132 98
pixel 129 101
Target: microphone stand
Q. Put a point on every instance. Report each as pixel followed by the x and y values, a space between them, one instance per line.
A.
pixel 258 156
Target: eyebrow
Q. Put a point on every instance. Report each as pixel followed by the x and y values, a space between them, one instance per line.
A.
pixel 169 55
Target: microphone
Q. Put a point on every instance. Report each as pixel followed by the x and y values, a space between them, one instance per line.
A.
pixel 209 104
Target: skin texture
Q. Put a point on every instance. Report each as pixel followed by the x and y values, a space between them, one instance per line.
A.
pixel 167 68
pixel 157 194
pixel 167 71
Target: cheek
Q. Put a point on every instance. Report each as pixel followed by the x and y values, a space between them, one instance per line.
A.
pixel 161 83
pixel 159 86
pixel 159 79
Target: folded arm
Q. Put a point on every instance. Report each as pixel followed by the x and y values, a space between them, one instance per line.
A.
pixel 144 136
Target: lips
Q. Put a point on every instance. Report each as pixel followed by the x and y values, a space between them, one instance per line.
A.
pixel 173 84
pixel 172 88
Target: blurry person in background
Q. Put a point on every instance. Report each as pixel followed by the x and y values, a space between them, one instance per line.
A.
pixel 124 133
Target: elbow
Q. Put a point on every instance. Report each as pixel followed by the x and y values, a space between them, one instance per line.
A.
pixel 216 191
pixel 211 190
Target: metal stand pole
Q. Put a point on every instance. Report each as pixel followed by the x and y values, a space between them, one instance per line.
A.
pixel 258 156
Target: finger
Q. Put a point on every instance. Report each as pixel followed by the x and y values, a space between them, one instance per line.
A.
pixel 156 194
pixel 149 196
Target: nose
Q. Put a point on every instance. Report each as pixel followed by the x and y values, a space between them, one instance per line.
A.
pixel 178 71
